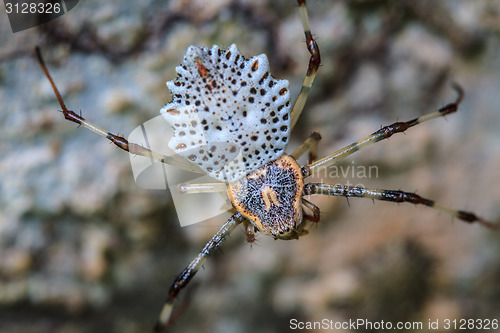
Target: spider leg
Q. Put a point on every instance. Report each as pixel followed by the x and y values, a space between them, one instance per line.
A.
pixel 383 133
pixel 183 279
pixel 310 144
pixel 314 62
pixel 313 208
pixel 393 196
pixel 201 188
pixel 249 231
pixel 119 141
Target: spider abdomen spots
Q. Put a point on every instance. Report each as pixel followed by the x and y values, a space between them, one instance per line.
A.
pixel 224 104
pixel 270 197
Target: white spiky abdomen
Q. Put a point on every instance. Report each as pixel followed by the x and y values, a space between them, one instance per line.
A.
pixel 229 115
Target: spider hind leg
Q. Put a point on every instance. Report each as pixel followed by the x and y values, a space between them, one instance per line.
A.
pixel 393 196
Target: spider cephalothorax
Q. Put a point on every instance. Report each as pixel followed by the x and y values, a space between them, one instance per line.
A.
pixel 270 197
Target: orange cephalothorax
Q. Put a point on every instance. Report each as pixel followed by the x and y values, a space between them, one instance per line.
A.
pixel 270 197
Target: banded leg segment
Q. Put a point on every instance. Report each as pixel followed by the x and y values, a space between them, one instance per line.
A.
pixel 119 141
pixel 314 62
pixel 383 133
pixel 393 196
pixel 188 273
pixel 310 144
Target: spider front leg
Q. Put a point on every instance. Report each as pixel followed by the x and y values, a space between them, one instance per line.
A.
pixel 314 62
pixel 119 141
pixel 383 133
pixel 393 196
pixel 188 273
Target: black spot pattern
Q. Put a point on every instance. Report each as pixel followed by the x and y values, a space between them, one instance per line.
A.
pixel 227 102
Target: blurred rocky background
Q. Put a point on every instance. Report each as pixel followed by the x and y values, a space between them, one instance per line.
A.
pixel 84 249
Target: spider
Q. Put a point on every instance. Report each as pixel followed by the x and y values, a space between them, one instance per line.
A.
pixel 232 120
